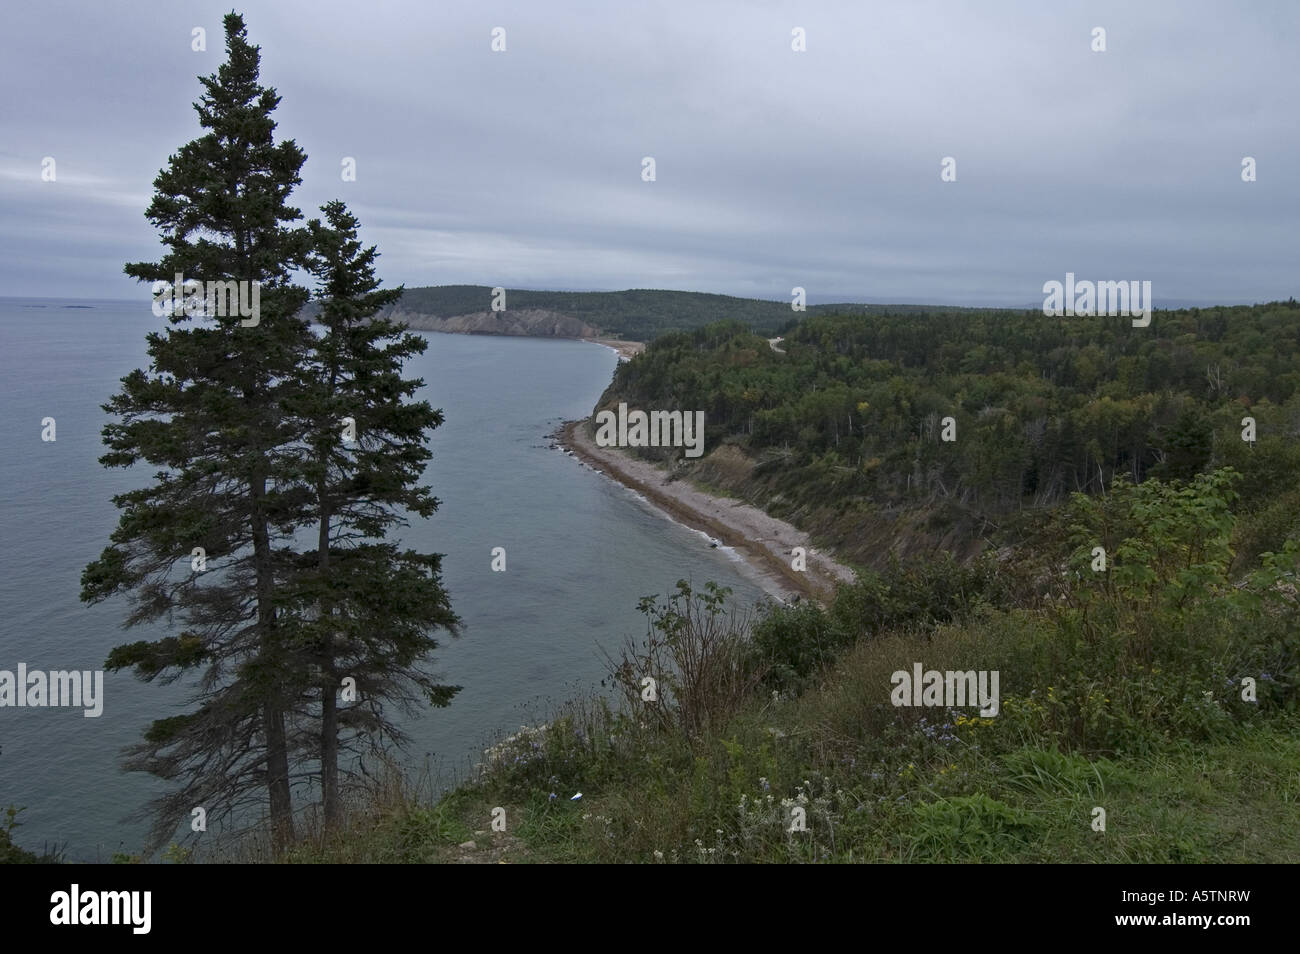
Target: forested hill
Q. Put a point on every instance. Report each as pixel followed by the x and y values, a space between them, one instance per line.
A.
pixel 635 315
pixel 843 432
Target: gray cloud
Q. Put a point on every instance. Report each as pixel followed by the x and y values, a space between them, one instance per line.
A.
pixel 775 168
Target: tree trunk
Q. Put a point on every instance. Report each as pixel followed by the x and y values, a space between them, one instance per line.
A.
pixel 329 756
pixel 277 752
pixel 329 711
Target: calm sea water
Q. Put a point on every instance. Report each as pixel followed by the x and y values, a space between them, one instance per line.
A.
pixel 580 552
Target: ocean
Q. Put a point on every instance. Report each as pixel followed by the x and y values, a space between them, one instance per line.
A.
pixel 580 552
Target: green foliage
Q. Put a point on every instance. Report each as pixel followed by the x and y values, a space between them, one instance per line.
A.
pixel 851 412
pixel 793 642
pixel 361 607
pixel 11 854
pixel 178 854
pixel 1048 770
pixel 1167 544
pixel 967 828
pixel 694 651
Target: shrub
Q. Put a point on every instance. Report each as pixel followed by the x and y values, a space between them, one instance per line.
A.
pixel 795 641
pixel 696 653
pixel 11 854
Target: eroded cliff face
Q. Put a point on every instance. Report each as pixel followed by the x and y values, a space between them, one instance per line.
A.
pixel 534 322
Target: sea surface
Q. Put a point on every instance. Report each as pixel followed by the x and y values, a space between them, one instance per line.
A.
pixel 580 552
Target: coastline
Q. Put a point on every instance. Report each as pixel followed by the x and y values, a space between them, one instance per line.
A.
pixel 627 350
pixel 763 542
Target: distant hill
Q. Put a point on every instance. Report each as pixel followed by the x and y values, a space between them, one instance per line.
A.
pixel 533 322
pixel 638 314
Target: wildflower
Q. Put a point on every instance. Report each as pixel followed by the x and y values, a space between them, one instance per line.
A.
pixel 552 795
pixel 659 856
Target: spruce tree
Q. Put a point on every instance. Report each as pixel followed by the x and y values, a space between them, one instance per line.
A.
pixel 367 609
pixel 229 463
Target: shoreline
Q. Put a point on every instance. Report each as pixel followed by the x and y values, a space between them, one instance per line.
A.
pixel 627 350
pixel 763 542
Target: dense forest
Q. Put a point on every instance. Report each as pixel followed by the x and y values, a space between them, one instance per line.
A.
pixel 973 415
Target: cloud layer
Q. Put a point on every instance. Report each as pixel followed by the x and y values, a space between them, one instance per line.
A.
pixel 774 168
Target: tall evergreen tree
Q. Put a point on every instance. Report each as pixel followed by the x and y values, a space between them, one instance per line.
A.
pixel 366 608
pixel 1187 444
pixel 230 464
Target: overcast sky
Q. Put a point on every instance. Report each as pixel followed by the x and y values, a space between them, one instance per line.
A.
pixel 774 168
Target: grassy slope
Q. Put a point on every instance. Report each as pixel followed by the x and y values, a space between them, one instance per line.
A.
pixel 1181 778
pixel 1235 800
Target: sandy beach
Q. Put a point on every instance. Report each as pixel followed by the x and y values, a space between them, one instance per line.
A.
pixel 764 542
pixel 626 349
